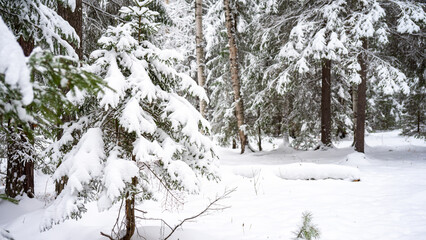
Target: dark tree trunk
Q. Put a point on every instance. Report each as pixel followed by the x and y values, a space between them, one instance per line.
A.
pixel 130 210
pixel 419 119
pixel 259 132
pixel 326 103
pixel 234 143
pixel 259 138
pixel 354 109
pixel 20 166
pixel 60 185
pixel 233 62
pixel 362 101
pixel 130 213
pixel 26 45
pixel 75 19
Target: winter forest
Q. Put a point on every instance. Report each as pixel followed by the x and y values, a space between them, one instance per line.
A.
pixel 212 120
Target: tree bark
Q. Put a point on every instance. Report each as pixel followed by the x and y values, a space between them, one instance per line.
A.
pixel 362 100
pixel 20 166
pixel 234 143
pixel 199 39
pixel 326 103
pixel 75 19
pixel 233 62
pixel 130 214
pixel 354 109
pixel 259 132
pixel 130 210
pixel 26 45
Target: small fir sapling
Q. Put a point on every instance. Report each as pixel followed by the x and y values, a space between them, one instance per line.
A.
pixel 307 230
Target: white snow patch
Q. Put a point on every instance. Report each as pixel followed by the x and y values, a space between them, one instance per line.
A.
pixel 356 159
pixel 312 171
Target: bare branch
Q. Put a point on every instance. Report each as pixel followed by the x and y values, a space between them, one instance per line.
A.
pixel 106 235
pixel 205 210
pixel 156 219
pixel 162 183
pixel 102 11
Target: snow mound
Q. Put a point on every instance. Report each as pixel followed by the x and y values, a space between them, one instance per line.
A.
pixel 312 171
pixel 356 159
pixel 247 171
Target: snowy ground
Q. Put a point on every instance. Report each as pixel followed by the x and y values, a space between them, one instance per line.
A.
pixel 389 201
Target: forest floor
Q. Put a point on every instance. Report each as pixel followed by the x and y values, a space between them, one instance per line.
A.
pixel 389 201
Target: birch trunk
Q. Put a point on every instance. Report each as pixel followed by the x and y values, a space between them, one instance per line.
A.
pixel 199 40
pixel 233 62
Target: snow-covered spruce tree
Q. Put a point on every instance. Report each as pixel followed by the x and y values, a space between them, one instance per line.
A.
pixel 344 25
pixel 314 48
pixel 252 56
pixel 406 43
pixel 140 126
pixel 269 108
pixel 179 34
pixel 99 15
pixel 35 23
pixel 370 64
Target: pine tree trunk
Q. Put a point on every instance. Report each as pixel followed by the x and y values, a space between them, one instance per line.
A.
pixel 130 210
pixel 326 103
pixel 362 101
pixel 354 109
pixel 233 60
pixel 75 19
pixel 199 39
pixel 130 215
pixel 419 119
pixel 20 166
pixel 26 45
